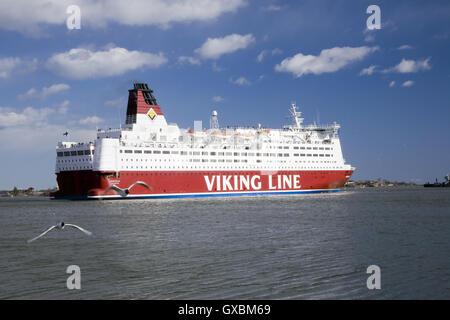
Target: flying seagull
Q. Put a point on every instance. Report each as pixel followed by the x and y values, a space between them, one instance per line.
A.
pixel 125 192
pixel 66 133
pixel 61 225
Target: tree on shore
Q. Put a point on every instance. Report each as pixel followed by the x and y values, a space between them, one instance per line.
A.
pixel 15 192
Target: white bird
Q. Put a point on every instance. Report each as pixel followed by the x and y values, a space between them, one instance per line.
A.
pixel 125 192
pixel 61 225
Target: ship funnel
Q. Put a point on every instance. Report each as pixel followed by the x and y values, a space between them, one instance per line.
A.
pixel 141 101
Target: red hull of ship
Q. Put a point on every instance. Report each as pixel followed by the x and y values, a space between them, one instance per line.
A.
pixel 91 184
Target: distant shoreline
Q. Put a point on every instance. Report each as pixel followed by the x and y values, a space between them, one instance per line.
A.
pixel 31 192
pixel 379 183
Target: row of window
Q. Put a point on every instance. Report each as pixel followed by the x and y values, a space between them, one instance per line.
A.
pixel 224 168
pixel 75 153
pixel 307 148
pixel 244 160
pixel 195 153
pixel 201 173
pixel 75 168
pixel 73 160
pixel 244 154
pixel 195 167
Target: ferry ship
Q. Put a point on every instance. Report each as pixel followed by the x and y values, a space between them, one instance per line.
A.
pixel 148 157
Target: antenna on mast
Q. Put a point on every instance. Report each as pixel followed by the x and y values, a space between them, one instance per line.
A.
pixel 296 115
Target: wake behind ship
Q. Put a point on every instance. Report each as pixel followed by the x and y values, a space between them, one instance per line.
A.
pixel 149 158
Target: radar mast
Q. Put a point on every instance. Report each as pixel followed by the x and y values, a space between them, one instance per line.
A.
pixel 296 115
pixel 214 121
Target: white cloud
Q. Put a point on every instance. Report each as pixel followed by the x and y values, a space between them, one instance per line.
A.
pixel 190 60
pixel 214 48
pixel 14 65
pixel 276 51
pixel 368 71
pixel 26 141
pixel 54 89
pixel 329 60
pixel 7 65
pixel 119 102
pixel 217 99
pixel 263 53
pixel 408 83
pixel 30 16
pixel 404 47
pixel 272 7
pixel 217 68
pixel 410 66
pixel 241 81
pixel 11 118
pixel 391 84
pixel 163 12
pixel 34 129
pixel 370 37
pixel 90 120
pixel 369 34
pixel 64 107
pixel 44 93
pixel 30 94
pixel 83 63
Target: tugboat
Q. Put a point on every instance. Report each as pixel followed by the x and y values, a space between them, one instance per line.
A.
pixel 436 184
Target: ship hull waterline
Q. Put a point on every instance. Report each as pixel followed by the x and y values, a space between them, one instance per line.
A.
pixel 91 185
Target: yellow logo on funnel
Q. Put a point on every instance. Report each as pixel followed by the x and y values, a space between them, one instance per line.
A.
pixel 151 113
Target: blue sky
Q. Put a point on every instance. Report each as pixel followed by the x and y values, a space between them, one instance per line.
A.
pixel 246 59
